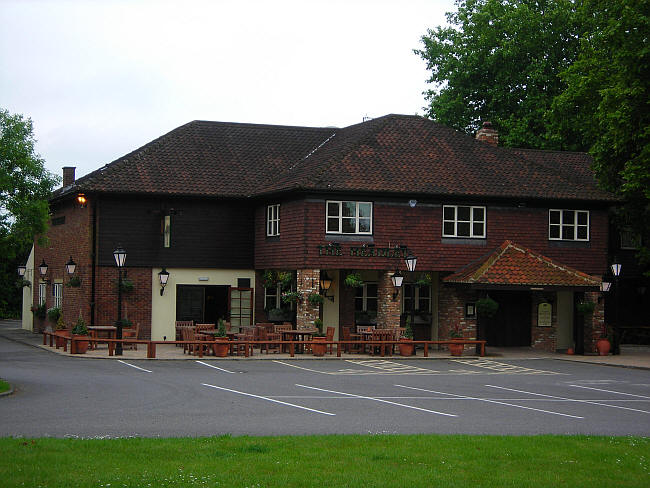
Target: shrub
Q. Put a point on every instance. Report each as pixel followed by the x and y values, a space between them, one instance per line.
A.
pixel 486 307
pixel 80 327
pixel 53 314
pixel 585 308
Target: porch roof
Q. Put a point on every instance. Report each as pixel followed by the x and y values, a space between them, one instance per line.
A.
pixel 513 265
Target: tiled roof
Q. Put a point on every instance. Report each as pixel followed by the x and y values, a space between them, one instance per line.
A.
pixel 390 154
pixel 511 264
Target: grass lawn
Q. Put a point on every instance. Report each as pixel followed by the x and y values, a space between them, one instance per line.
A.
pixel 328 461
pixel 4 386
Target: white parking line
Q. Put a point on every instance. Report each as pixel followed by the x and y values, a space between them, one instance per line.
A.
pixel 215 367
pixel 267 399
pixel 378 400
pixel 134 366
pixel 610 391
pixel 491 401
pixel 590 402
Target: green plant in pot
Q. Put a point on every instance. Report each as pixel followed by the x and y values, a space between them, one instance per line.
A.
pixel 406 346
pixel 315 299
pixel 221 340
pixel 75 282
pixel 317 348
pixel 39 311
pixel 456 334
pixel 53 314
pixel 486 307
pixel 291 296
pixel 603 345
pixel 62 332
pixel 353 280
pixel 284 278
pixel 80 330
pixel 585 307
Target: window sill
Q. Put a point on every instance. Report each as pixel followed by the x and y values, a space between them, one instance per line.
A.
pixel 469 241
pixel 570 244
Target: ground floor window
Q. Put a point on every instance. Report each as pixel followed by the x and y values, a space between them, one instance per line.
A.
pixel 57 293
pixel 365 304
pixel 241 306
pixel 202 304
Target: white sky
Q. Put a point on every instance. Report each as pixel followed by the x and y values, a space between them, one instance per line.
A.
pixel 101 78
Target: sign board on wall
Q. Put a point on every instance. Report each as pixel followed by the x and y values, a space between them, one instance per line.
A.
pixel 544 314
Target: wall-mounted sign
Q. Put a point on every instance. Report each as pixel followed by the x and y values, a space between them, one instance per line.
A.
pixel 544 314
pixel 364 252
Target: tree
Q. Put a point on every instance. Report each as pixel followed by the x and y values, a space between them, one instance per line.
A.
pixel 500 61
pixel 25 186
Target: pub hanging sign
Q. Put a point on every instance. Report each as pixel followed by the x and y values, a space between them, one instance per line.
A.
pixel 364 251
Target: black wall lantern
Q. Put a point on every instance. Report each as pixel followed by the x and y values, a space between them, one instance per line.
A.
pixel 163 276
pixel 21 270
pixel 410 261
pixel 43 268
pixel 325 284
pixel 70 266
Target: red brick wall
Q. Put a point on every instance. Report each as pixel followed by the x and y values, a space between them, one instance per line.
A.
pixel 302 230
pixel 388 313
pixel 71 239
pixel 451 312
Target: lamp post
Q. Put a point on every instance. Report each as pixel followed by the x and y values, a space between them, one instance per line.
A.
pixel 616 271
pixel 120 258
pixel 411 261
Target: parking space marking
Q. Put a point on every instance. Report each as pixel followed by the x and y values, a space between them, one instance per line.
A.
pixel 375 399
pixel 503 368
pixel 215 367
pixel 590 402
pixel 268 399
pixel 491 401
pixel 391 366
pixel 134 366
pixel 611 391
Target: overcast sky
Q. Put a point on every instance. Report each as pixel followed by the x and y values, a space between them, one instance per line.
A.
pixel 101 78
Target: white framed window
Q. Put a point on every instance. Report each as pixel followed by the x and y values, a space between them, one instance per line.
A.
pixel 422 298
pixel 568 225
pixel 42 293
pixel 463 221
pixel 365 299
pixel 57 293
pixel 273 298
pixel 167 231
pixel 273 220
pixel 349 217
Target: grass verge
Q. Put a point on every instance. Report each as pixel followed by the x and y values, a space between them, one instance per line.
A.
pixel 331 461
pixel 4 386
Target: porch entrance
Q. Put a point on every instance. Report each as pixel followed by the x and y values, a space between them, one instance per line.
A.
pixel 512 325
pixel 202 304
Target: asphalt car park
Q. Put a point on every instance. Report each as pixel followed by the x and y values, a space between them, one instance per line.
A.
pixel 65 396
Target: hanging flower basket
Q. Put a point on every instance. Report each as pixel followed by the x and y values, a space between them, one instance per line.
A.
pixel 353 280
pixel 585 308
pixel 291 296
pixel 75 282
pixel 486 307
pixel 315 299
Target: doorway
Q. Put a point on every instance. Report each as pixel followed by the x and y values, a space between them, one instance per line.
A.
pixel 511 327
pixel 202 304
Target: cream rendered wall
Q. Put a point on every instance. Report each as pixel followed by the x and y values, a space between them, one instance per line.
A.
pixel 564 319
pixel 331 309
pixel 163 308
pixel 28 294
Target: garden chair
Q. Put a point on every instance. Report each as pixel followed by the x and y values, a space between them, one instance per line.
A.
pixel 348 336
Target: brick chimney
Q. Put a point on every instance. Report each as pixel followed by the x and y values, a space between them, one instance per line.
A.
pixel 488 134
pixel 68 175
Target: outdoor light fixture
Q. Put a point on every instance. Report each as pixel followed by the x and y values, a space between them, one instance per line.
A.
pixel 163 276
pixel 413 203
pixel 605 286
pixel 21 270
pixel 81 200
pixel 325 284
pixel 70 266
pixel 120 258
pixel 43 268
pixel 616 269
pixel 397 280
pixel 411 261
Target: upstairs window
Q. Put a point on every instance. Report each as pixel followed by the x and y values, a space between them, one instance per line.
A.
pixel 167 231
pixel 568 225
pixel 273 220
pixel 349 217
pixel 42 293
pixel 463 221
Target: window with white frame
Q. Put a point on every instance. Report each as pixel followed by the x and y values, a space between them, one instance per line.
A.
pixel 273 220
pixel 349 217
pixel 57 293
pixel 273 298
pixel 167 231
pixel 422 295
pixel 365 299
pixel 42 293
pixel 568 225
pixel 463 221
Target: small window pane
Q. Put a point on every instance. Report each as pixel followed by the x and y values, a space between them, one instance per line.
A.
pixel 554 232
pixel 479 213
pixel 478 229
pixel 567 232
pixel 463 229
pixel 568 217
pixel 371 290
pixel 364 209
pixel 332 209
pixel 463 213
pixel 349 209
pixel 333 225
pixel 582 232
pixel 371 304
pixel 364 225
pixel 349 226
pixel 449 213
pixel 582 218
pixel 555 217
pixel 448 228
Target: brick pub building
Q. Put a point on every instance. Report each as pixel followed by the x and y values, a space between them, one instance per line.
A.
pixel 240 214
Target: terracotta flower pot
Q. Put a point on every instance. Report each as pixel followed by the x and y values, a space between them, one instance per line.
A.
pixel 456 349
pixel 317 348
pixel 406 347
pixel 603 346
pixel 221 347
pixel 80 346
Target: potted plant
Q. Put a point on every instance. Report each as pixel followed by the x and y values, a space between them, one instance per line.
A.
pixel 315 299
pixel 291 296
pixel 62 332
pixel 318 338
pixel 456 334
pixel 425 280
pixel 487 307
pixel 221 340
pixel 406 346
pixel 585 307
pixel 53 314
pixel 80 331
pixel 603 345
pixel 75 282
pixel 353 280
pixel 22 282
pixel 39 311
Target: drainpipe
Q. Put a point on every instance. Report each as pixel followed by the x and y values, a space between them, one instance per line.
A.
pixel 93 258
